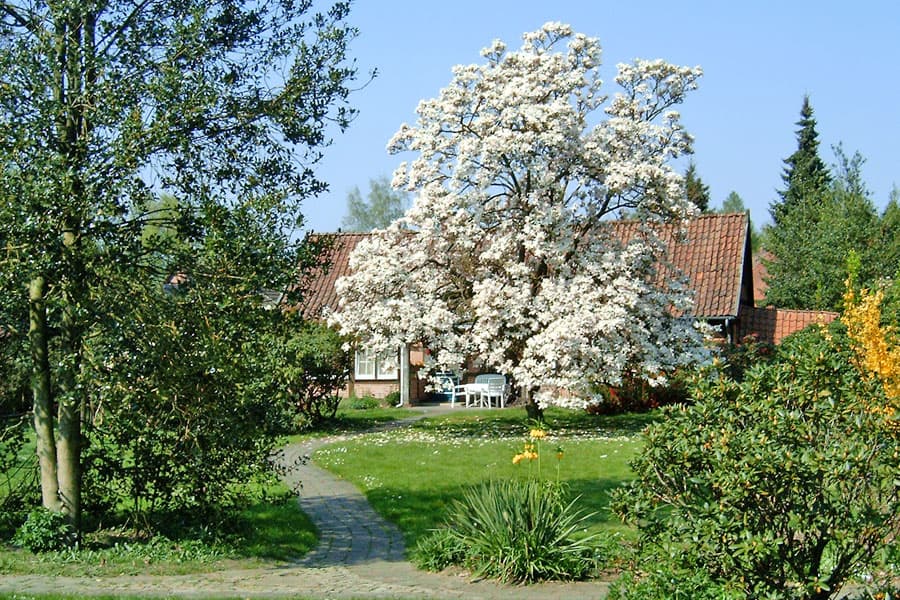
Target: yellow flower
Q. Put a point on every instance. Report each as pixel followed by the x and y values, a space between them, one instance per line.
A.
pixel 518 458
pixel 537 434
pixel 877 345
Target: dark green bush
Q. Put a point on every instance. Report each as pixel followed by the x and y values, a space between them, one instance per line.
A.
pixel 364 403
pixel 45 531
pixel 313 365
pixel 514 531
pixel 392 399
pixel 781 486
pixel 181 420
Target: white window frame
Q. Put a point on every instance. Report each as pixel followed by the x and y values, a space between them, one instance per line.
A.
pixel 376 368
pixel 387 367
pixel 364 364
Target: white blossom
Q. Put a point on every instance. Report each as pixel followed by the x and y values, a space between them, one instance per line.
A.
pixel 507 253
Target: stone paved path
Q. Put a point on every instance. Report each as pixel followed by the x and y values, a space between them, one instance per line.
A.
pixel 360 555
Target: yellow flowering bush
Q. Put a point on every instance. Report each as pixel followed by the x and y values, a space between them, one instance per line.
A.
pixel 876 345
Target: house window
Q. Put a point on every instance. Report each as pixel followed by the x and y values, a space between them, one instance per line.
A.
pixel 370 365
pixel 365 364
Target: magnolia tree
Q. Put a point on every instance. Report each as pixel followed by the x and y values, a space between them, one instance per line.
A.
pixel 507 254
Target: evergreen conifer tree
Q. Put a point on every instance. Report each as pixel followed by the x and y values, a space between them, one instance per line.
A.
pixel 805 174
pixel 697 191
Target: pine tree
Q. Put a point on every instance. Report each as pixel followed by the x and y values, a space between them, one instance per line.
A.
pixel 697 191
pixel 805 174
pixel 812 241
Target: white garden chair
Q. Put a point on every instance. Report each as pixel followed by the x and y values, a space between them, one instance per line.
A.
pixel 495 388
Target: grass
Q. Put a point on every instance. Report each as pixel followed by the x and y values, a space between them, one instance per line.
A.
pixel 411 475
pixel 349 420
pixel 265 533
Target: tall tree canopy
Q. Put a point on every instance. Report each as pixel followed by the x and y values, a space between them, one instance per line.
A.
pixel 697 191
pixel 507 254
pixel 806 176
pixel 733 203
pixel 383 206
pixel 104 107
pixel 813 241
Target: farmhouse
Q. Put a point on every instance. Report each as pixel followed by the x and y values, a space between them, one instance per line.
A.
pixel 712 251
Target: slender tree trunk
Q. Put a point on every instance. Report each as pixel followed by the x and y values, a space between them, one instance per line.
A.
pixel 68 447
pixel 534 412
pixel 70 398
pixel 73 31
pixel 41 392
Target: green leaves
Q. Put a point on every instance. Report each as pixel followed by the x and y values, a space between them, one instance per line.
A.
pixel 823 217
pixel 515 531
pixel 163 144
pixel 782 482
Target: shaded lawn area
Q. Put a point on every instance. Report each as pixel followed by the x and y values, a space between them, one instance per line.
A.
pixel 412 475
pixel 265 533
pixel 350 420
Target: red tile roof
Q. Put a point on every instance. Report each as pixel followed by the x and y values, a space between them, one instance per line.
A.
pixel 711 254
pixel 775 324
pixel 319 285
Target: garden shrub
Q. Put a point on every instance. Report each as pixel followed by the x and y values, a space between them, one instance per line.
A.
pixel 747 353
pixel 392 399
pixel 637 395
pixel 364 403
pixel 314 366
pixel 181 425
pixel 663 583
pixel 780 486
pixel 515 531
pixel 45 531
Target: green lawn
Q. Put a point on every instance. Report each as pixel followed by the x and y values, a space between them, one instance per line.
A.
pixel 268 533
pixel 349 420
pixel 411 475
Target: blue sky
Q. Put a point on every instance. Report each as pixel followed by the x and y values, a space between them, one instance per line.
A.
pixel 759 59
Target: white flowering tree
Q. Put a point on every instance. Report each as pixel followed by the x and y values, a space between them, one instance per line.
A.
pixel 507 254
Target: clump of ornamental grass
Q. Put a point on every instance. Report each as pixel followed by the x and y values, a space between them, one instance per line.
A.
pixel 516 530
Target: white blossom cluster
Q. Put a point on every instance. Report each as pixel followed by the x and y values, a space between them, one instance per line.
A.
pixel 507 253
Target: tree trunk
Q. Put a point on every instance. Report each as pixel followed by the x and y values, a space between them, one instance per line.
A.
pixel 73 32
pixel 68 457
pixel 40 390
pixel 70 400
pixel 534 412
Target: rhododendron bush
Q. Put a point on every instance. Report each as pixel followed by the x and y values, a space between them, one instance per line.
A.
pixel 507 254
